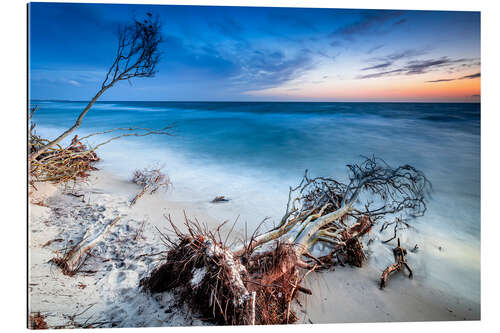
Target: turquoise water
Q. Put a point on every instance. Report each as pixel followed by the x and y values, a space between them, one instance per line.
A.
pixel 252 153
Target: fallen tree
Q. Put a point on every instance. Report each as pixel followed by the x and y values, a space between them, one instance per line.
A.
pixel 255 282
pixel 137 56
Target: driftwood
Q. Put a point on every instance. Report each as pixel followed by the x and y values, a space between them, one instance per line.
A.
pixel 139 195
pixel 151 181
pixel 399 265
pixel 218 280
pixel 219 198
pixel 37 321
pixel 71 262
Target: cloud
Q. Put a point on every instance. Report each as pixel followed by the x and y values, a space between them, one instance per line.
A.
pixel 471 76
pixel 228 27
pixel 265 68
pixel 329 56
pixel 74 83
pixel 403 20
pixel 380 74
pixel 382 65
pixel 389 59
pixel 234 64
pixel 422 66
pixel 292 21
pixel 440 80
pixel 206 60
pixel 409 53
pixel 417 67
pixel 369 22
pixel 75 77
pixel 375 48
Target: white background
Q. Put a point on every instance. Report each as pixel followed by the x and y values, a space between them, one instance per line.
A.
pixel 13 200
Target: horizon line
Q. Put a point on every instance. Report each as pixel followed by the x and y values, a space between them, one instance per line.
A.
pixel 237 101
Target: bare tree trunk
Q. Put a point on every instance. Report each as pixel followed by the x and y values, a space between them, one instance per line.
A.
pixel 70 130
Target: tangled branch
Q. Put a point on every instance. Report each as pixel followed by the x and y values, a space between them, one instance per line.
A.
pixel 320 209
pixel 271 266
pixel 151 180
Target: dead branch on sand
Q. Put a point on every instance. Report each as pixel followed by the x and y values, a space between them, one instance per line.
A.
pixel 73 260
pixel 400 258
pixel 219 198
pixel 151 181
pixel 37 321
pixel 72 321
pixel 218 280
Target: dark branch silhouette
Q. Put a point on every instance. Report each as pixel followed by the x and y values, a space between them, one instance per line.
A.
pixel 137 56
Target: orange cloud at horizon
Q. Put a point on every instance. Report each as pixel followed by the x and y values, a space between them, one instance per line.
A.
pixel 447 90
pixel 394 89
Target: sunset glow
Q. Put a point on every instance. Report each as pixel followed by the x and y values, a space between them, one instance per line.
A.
pixel 238 53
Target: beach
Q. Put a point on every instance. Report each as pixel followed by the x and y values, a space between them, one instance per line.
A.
pixel 235 165
pixel 108 294
pixel 252 152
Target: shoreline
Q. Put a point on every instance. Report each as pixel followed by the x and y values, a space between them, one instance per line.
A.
pixel 111 295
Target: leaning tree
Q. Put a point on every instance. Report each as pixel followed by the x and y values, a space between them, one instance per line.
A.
pixel 137 55
pixel 255 282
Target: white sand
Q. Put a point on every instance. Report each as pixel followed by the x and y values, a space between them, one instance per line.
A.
pixel 111 295
pixel 352 295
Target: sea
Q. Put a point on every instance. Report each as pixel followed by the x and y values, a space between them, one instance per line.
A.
pixel 252 152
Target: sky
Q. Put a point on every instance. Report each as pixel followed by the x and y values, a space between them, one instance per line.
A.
pixel 260 54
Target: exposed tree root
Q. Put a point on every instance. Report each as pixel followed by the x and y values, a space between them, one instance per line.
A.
pixel 219 282
pixel 206 273
pixel 60 164
pixel 400 257
pixel 219 285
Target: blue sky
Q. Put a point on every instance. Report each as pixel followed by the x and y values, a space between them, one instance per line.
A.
pixel 251 53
